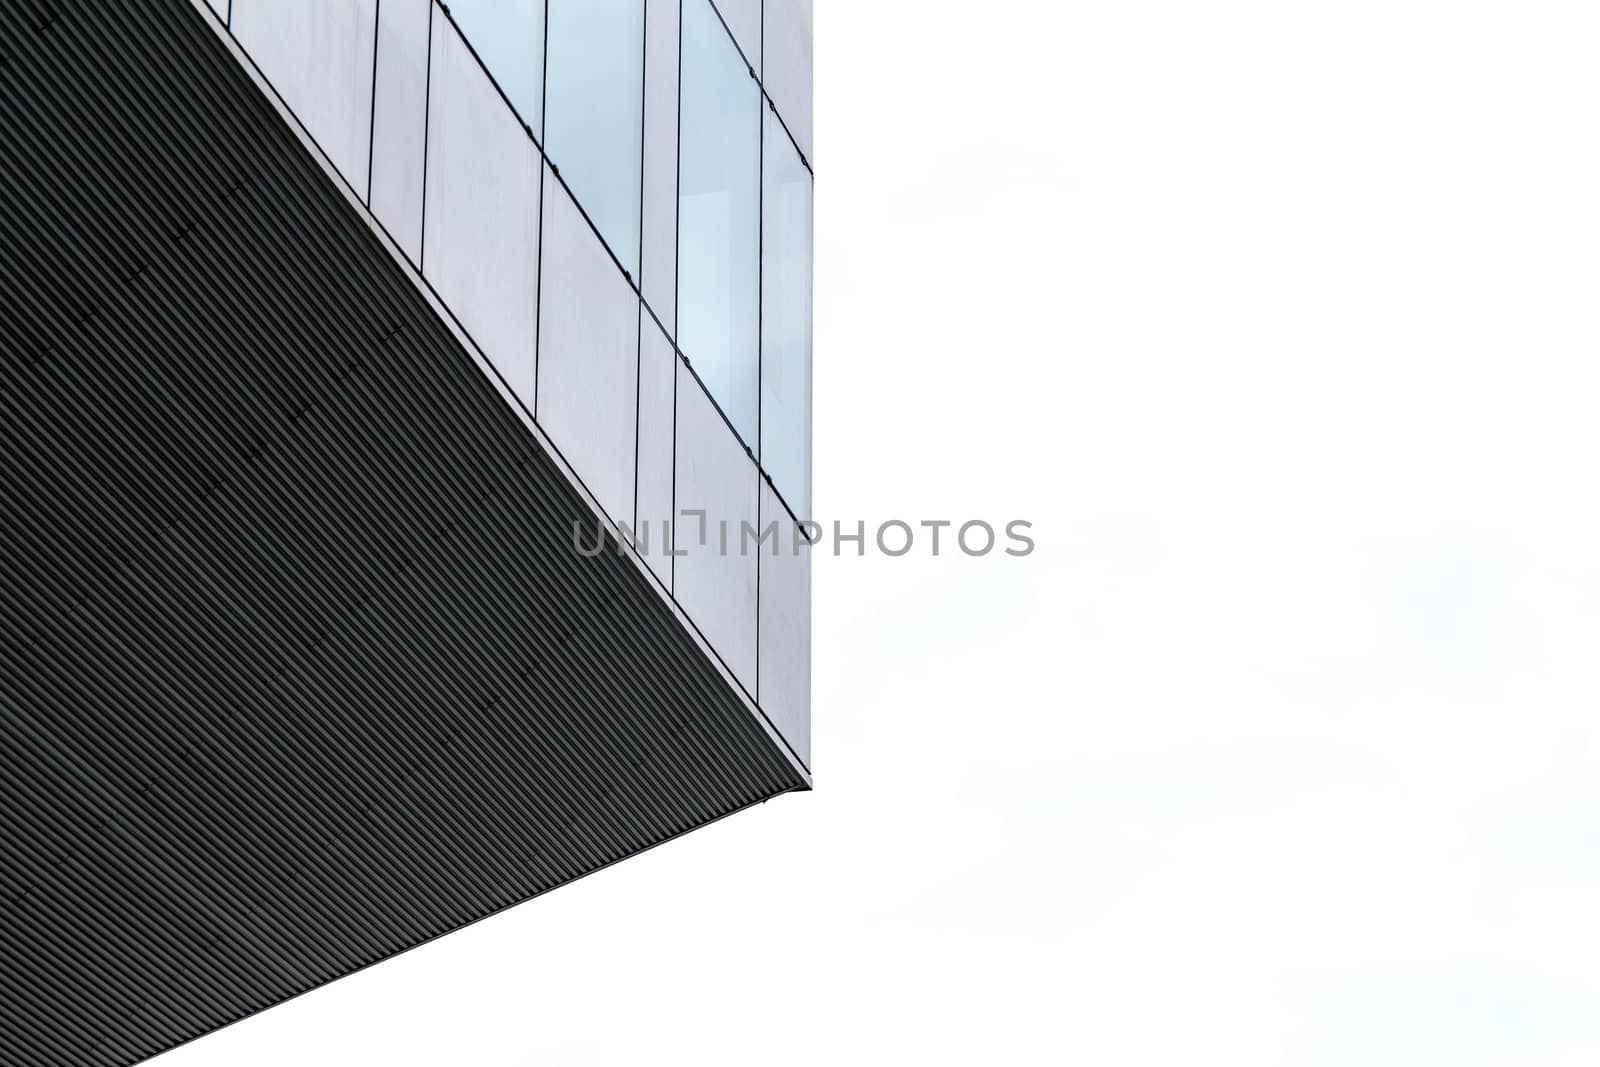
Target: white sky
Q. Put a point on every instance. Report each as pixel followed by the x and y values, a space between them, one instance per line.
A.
pixel 1280 321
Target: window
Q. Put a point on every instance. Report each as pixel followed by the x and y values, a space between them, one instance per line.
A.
pixel 594 113
pixel 719 216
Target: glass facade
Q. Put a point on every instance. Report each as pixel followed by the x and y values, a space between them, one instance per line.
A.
pixel 672 150
pixel 594 111
pixel 719 217
pixel 575 71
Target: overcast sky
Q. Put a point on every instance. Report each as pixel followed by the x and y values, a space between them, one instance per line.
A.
pixel 1280 322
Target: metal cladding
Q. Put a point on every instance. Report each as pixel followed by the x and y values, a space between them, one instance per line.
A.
pixel 301 668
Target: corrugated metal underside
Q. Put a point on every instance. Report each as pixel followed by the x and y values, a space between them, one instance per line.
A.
pixel 300 669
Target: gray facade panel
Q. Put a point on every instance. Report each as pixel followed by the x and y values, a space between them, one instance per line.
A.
pixel 653 520
pixel 715 580
pixel 786 69
pixel 318 56
pixel 588 355
pixel 784 686
pixel 480 240
pixel 399 121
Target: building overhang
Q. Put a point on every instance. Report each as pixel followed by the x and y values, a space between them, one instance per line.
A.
pixel 302 668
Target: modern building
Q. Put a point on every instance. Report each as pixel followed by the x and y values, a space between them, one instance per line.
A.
pixel 407 436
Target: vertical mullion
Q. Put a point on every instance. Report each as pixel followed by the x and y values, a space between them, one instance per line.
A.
pixel 372 112
pixel 677 275
pixel 638 331
pixel 427 115
pixel 761 300
pixel 538 267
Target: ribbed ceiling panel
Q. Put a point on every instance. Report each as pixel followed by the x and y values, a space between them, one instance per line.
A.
pixel 300 668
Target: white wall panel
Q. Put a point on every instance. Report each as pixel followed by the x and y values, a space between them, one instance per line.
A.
pixel 784 689
pixel 715 582
pixel 481 208
pixel 588 354
pixel 400 112
pixel 318 56
pixel 786 66
pixel 220 7
pixel 659 228
pixel 657 371
pixel 744 21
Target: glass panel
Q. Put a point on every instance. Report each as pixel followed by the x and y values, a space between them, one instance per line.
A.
pixel 508 36
pixel 719 215
pixel 318 56
pixel 594 112
pixel 786 319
